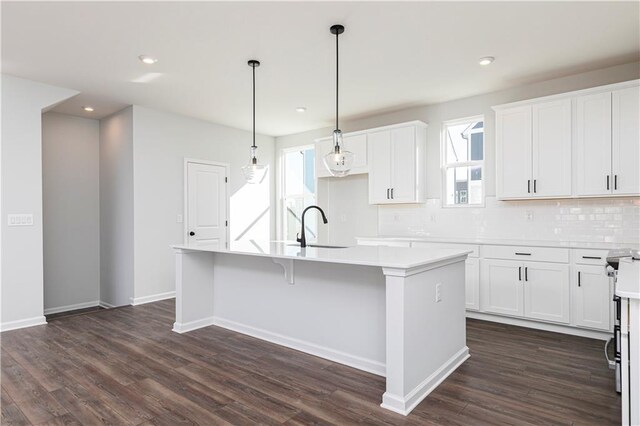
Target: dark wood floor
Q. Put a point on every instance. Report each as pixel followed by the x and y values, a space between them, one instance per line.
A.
pixel 125 366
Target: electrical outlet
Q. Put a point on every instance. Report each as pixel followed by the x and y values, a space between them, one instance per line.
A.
pixel 20 220
pixel 179 219
pixel 438 293
pixel 528 215
pixel 432 218
pixel 343 218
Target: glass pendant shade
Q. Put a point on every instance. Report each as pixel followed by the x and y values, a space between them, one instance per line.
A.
pixel 339 161
pixel 254 172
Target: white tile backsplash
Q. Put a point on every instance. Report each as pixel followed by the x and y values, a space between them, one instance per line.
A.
pixel 592 220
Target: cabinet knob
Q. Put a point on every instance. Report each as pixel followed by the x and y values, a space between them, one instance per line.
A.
pixel 192 233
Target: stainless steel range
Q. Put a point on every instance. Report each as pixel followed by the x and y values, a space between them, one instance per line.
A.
pixel 613 262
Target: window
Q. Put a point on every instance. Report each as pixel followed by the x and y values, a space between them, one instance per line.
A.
pixel 462 162
pixel 299 191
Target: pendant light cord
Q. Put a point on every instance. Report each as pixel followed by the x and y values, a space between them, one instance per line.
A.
pixel 337 79
pixel 254 105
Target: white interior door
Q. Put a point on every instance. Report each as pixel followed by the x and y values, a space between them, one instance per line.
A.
pixel 514 152
pixel 206 204
pixel 552 149
pixel 593 144
pixel 626 141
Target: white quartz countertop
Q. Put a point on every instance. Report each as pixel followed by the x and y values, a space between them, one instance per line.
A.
pixel 628 281
pixel 386 257
pixel 508 242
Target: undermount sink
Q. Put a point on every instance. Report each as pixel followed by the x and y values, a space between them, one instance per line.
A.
pixel 321 246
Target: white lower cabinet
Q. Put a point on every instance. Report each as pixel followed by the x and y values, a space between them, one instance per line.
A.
pixel 501 287
pixel 535 290
pixel 472 284
pixel 546 291
pixel 591 297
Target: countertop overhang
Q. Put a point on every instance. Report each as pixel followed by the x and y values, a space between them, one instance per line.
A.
pixel 385 257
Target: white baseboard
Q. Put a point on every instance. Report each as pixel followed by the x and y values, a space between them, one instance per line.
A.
pixel 49 311
pixel 192 325
pixel 405 405
pixel 153 298
pixel 29 322
pixel 105 305
pixel 368 365
pixel 556 328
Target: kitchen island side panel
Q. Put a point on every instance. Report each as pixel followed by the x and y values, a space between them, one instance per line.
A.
pixel 331 308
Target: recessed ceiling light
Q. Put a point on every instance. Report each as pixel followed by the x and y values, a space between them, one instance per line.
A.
pixel 88 108
pixel 147 59
pixel 301 109
pixel 486 60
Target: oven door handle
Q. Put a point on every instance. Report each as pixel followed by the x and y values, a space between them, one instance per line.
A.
pixel 612 364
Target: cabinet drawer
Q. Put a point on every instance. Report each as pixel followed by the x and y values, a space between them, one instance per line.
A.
pixel 533 254
pixel 474 248
pixel 590 257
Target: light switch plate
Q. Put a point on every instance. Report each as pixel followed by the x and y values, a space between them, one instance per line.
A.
pixel 20 220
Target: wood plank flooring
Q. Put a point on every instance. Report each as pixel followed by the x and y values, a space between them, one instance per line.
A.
pixel 126 366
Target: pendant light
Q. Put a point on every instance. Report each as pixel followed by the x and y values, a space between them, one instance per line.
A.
pixel 254 172
pixel 339 161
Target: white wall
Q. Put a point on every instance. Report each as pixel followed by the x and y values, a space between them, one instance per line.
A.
pixel 71 212
pixel 393 219
pixel 116 208
pixel 23 102
pixel 161 142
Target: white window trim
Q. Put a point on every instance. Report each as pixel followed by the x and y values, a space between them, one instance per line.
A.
pixel 280 222
pixel 444 166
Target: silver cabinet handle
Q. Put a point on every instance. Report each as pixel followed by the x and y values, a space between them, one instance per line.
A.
pixel 528 186
pixel 387 193
pixel 607 182
pixel 392 193
pixel 519 273
pixel 534 186
pixel 526 278
pixel 615 182
pixel 579 280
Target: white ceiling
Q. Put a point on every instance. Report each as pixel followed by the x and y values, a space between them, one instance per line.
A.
pixel 393 55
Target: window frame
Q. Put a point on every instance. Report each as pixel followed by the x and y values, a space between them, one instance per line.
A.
pixel 282 198
pixel 444 166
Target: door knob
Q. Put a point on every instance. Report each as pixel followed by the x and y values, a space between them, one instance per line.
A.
pixel 192 233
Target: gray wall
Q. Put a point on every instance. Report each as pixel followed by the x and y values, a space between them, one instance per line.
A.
pixel 21 179
pixel 434 115
pixel 71 212
pixel 116 208
pixel 161 143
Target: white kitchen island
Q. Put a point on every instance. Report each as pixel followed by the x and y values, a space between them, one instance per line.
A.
pixel 395 312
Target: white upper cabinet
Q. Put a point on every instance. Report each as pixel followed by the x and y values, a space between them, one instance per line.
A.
pixel 379 155
pixel 396 164
pixel 551 149
pixel 513 138
pixel 579 144
pixel 355 142
pixel 626 141
pixel 534 150
pixel 593 144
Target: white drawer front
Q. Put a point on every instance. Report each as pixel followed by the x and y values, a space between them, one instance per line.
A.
pixel 474 248
pixel 528 254
pixel 590 257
